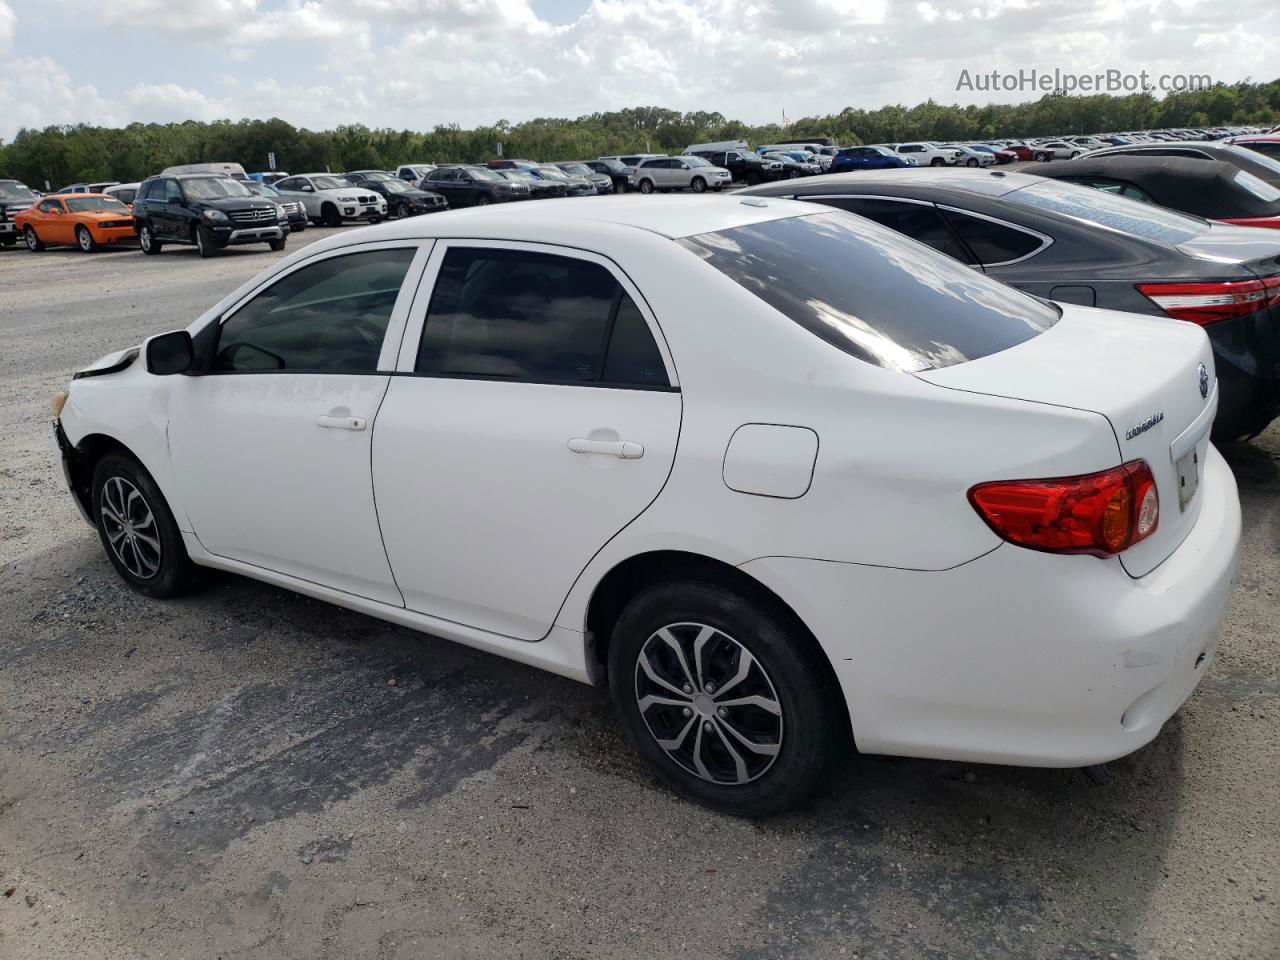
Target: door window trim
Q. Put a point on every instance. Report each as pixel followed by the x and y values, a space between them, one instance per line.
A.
pixel 412 336
pixel 1046 241
pixel 396 323
pixel 972 260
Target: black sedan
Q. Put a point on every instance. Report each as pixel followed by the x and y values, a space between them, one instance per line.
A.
pixel 403 198
pixel 615 170
pixel 1069 243
pixel 1207 188
pixel 465 185
pixel 1264 168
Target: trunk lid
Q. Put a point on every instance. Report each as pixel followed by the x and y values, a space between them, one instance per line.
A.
pixel 1143 374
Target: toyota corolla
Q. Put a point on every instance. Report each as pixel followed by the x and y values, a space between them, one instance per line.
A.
pixel 773 473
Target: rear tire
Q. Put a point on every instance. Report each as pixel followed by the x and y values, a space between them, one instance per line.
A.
pixel 34 243
pixel 147 240
pixel 792 718
pixel 137 529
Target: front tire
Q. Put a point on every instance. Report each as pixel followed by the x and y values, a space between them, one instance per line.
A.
pixel 646 187
pixel 971 162
pixel 937 162
pixel 84 240
pixel 204 242
pixel 698 185
pixel 329 216
pixel 276 245
pixel 147 240
pixel 137 529
pixel 34 243
pixel 724 696
pixel 483 200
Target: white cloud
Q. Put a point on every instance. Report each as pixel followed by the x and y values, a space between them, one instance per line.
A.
pixel 8 23
pixel 416 63
pixel 37 92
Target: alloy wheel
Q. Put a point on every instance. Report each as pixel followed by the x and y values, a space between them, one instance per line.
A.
pixel 84 238
pixel 144 239
pixel 708 703
pixel 130 527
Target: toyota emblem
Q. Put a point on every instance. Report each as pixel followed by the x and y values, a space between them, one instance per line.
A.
pixel 1204 382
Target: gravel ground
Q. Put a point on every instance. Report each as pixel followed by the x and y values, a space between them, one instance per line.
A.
pixel 248 773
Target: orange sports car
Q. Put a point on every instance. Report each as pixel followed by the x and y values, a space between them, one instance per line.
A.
pixel 85 220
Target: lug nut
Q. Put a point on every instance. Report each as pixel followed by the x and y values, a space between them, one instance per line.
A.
pixel 722 712
pixel 687 688
pixel 711 688
pixel 707 726
pixel 687 712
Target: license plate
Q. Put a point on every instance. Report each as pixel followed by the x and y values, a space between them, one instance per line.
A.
pixel 1188 477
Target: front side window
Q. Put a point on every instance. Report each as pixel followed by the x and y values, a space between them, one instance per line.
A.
pixel 872 292
pixel 520 315
pixel 51 206
pixel 328 317
pixel 172 192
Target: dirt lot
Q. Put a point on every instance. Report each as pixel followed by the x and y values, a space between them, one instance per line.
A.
pixel 247 773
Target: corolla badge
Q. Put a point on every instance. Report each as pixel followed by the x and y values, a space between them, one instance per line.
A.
pixel 1144 426
pixel 1204 382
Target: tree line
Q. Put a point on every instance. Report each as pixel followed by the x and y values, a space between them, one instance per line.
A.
pixel 63 154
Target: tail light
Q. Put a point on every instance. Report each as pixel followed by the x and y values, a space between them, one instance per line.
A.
pixel 1100 513
pixel 1206 303
pixel 1273 222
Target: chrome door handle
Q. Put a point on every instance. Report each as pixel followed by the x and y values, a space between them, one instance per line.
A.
pixel 622 449
pixel 341 423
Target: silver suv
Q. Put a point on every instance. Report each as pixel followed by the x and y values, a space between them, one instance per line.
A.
pixel 678 173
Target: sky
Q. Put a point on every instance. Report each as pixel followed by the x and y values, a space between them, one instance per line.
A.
pixel 418 63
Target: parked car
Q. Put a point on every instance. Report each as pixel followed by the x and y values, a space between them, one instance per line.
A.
pixel 969 157
pixel 510 163
pixel 679 173
pixel 332 200
pixel 1268 146
pixel 575 186
pixel 269 177
pixel 630 160
pixel 540 188
pixel 1072 244
pixel 1020 151
pixel 572 470
pixel 1205 188
pixel 868 158
pixel 124 192
pixel 89 221
pixel 804 153
pixel 1261 166
pixel 603 182
pixel 1056 150
pixel 403 199
pixel 15 196
pixel 207 211
pixel 999 154
pixel 743 165
pixel 791 167
pixel 1089 143
pixel 465 185
pixel 96 188
pixel 615 170
pixel 293 209
pixel 233 170
pixel 415 172
pixel 929 154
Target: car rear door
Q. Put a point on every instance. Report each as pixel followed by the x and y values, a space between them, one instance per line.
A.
pixel 271 444
pixel 534 415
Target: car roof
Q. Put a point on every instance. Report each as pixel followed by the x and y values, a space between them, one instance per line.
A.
pixel 988 182
pixel 557 221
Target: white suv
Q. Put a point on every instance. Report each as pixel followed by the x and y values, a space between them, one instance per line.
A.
pixel 930 155
pixel 333 200
pixel 678 173
pixel 613 440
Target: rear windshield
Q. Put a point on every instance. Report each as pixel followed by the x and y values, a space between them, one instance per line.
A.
pixel 873 292
pixel 1111 210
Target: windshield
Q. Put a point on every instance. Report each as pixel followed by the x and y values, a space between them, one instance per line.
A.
pixel 517 175
pixel 377 175
pixel 82 204
pixel 696 161
pixel 213 188
pixel 553 173
pixel 396 186
pixel 331 183
pixel 482 173
pixel 1111 210
pixel 263 189
pixel 13 190
pixel 615 165
pixel 872 292
pixel 578 169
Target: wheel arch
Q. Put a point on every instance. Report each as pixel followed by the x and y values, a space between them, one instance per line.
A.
pixel 82 458
pixel 629 576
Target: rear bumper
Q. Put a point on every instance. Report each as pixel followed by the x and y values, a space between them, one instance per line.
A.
pixel 1021 657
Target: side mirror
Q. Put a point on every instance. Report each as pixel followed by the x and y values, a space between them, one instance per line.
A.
pixel 170 353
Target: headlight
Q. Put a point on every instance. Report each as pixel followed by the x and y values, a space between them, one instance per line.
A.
pixel 215 215
pixel 346 199
pixel 281 213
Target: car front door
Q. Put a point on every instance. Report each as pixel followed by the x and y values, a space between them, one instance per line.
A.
pixel 48 219
pixel 169 214
pixel 271 444
pixel 535 415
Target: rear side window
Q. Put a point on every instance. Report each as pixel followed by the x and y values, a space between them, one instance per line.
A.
pixel 993 243
pixel 1111 211
pixel 918 221
pixel 535 317
pixel 329 317
pixel 872 292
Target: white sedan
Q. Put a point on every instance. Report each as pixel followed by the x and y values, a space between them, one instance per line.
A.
pixel 773 473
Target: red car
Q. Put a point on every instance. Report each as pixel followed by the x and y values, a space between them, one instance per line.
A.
pixel 1020 151
pixel 1266 144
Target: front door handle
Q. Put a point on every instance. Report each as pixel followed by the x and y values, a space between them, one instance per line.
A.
pixel 341 423
pixel 622 449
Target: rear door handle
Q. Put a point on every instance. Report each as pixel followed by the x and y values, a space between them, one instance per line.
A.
pixel 622 449
pixel 341 423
